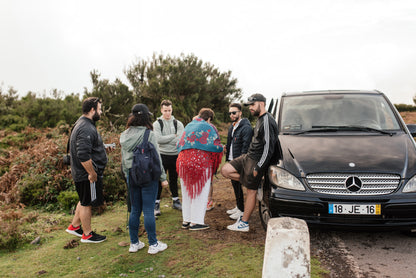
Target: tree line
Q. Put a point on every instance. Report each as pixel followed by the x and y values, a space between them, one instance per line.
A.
pixel 186 80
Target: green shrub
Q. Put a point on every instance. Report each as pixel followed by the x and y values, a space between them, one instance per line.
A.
pixel 13 122
pixel 10 236
pixel 115 187
pixel 68 199
pixel 405 107
pixel 34 190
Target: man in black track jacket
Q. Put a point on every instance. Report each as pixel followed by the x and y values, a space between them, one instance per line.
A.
pixel 250 168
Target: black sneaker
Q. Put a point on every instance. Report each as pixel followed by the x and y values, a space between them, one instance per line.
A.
pixel 77 231
pixel 198 227
pixel 186 225
pixel 157 209
pixel 177 204
pixel 93 238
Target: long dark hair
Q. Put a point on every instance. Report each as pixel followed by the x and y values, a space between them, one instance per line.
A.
pixel 139 120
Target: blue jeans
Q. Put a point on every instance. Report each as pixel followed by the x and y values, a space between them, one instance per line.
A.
pixel 143 199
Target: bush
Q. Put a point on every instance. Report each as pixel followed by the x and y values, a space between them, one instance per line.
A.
pixel 115 187
pixel 68 199
pixel 10 235
pixel 405 107
pixel 34 190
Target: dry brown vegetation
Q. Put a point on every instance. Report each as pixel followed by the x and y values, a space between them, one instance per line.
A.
pixel 29 147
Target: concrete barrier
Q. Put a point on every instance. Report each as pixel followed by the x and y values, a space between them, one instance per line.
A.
pixel 287 250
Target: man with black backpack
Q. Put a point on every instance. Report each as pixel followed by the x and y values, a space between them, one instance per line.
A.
pixel 168 131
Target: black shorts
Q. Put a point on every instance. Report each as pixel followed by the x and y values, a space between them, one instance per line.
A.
pixel 245 166
pixel 85 191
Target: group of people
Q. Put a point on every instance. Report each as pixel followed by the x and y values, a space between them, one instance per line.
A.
pixel 193 153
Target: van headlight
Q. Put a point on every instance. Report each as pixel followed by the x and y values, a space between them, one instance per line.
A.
pixel 410 185
pixel 284 179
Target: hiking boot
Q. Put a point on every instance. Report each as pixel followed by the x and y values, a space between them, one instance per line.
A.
pixel 156 248
pixel 134 247
pixel 185 225
pixel 239 226
pixel 76 231
pixel 157 209
pixel 93 238
pixel 177 204
pixel 198 227
pixel 236 215
pixel 232 211
pixel 210 205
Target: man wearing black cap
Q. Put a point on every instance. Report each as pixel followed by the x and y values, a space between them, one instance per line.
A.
pixel 249 168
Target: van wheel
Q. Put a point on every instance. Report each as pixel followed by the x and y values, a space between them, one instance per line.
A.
pixel 264 210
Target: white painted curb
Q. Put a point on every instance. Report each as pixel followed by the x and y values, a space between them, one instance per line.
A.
pixel 287 250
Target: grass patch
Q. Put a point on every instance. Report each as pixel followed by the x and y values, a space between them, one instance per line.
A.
pixel 186 256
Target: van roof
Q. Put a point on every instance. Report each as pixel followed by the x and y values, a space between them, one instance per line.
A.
pixel 324 92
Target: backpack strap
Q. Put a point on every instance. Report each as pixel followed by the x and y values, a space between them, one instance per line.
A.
pixel 146 135
pixel 69 137
pixel 161 124
pixel 175 124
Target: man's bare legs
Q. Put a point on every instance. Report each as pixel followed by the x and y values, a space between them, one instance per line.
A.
pixel 230 172
pixel 82 216
pixel 250 204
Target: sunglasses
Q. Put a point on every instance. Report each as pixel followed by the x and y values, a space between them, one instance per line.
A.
pixel 233 112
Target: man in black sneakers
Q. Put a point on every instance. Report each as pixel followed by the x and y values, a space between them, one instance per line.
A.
pixel 88 160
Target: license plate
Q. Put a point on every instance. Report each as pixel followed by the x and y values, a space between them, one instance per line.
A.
pixel 367 209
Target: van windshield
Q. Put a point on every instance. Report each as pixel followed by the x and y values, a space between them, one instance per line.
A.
pixel 309 112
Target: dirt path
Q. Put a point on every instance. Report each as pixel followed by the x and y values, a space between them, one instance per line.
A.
pixel 218 219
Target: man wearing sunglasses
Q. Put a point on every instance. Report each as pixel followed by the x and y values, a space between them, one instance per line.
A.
pixel 239 137
pixel 249 168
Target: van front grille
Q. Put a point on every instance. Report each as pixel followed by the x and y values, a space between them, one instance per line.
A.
pixel 353 184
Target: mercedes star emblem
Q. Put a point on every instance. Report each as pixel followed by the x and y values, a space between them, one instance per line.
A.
pixel 353 183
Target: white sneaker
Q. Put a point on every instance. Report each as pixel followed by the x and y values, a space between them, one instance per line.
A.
pixel 239 226
pixel 136 247
pixel 232 211
pixel 236 215
pixel 158 247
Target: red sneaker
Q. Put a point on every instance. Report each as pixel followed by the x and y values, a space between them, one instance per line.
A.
pixel 76 231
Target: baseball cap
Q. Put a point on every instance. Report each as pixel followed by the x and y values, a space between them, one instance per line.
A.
pixel 141 109
pixel 253 98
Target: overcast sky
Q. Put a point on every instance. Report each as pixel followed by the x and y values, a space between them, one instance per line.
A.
pixel 270 46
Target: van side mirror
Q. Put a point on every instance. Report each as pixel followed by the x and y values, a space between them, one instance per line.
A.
pixel 412 129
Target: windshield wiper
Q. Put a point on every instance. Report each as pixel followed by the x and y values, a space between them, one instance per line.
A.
pixel 366 128
pixel 323 129
pixel 343 128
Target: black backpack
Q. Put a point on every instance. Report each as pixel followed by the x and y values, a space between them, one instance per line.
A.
pixel 175 124
pixel 146 163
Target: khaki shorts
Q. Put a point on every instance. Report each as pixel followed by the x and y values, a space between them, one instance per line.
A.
pixel 245 166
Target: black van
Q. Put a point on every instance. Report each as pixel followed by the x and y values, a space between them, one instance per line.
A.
pixel 345 159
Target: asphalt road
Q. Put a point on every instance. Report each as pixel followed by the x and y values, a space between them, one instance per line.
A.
pixel 365 254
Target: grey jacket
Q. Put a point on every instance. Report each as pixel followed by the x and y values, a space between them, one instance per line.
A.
pixel 168 138
pixel 129 139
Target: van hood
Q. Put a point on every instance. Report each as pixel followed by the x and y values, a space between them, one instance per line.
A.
pixel 347 153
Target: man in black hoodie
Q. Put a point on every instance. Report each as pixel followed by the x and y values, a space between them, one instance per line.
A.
pixel 238 140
